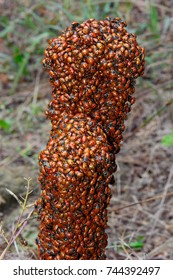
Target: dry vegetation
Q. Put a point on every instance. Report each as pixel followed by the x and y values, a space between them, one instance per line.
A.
pixel 141 210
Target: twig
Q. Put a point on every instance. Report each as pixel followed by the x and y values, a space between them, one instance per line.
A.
pixel 141 201
pixel 20 223
pixel 165 193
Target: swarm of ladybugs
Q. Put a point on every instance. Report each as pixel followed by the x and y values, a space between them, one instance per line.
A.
pixel 92 68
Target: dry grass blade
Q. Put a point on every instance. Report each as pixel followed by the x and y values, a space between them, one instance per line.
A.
pixel 15 196
pixel 163 247
pixel 2 233
pixel 21 223
pixel 142 201
pixel 161 205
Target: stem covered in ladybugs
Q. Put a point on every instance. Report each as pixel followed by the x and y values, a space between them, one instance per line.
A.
pixel 92 68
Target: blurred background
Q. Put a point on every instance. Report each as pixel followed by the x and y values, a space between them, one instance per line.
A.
pixel 141 210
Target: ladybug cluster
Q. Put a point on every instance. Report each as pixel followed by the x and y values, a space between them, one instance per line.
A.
pixel 92 68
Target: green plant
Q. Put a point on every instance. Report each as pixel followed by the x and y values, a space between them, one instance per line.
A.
pixel 5 124
pixel 138 243
pixel 167 140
